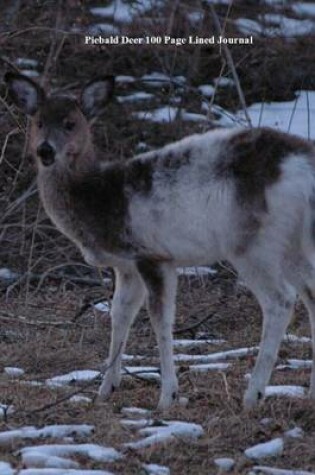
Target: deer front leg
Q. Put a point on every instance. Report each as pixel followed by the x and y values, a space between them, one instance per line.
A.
pixel 128 297
pixel 161 283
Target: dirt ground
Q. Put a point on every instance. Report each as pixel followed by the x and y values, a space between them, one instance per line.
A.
pixel 49 325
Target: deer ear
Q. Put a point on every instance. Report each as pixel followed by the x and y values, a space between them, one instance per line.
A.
pixel 24 92
pixel 96 94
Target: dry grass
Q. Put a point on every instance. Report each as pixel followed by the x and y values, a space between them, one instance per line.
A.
pixel 55 285
pixel 214 400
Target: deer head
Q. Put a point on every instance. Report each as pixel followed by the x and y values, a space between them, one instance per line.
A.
pixel 60 124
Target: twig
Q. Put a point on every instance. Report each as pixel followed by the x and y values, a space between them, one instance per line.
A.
pixel 136 375
pixel 194 325
pixel 31 190
pixel 5 143
pixel 230 63
pixel 54 49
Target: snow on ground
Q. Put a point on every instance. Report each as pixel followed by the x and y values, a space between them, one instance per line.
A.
pixel 154 469
pixel 295 433
pixel 181 343
pixel 275 25
pixel 135 411
pixel 158 79
pixel 220 355
pixel 31 73
pixel 196 270
pixel 203 368
pixel 124 79
pixel 248 26
pixel 169 114
pixel 206 90
pixel 13 371
pixel 145 372
pixel 195 17
pixel 280 25
pixel 102 306
pixel 169 431
pixel 7 274
pixel 266 449
pixel 289 337
pixel 297 116
pixel 6 469
pixel 136 423
pixel 80 399
pixel 159 115
pixel 285 390
pixel 92 451
pixel 103 29
pixel 224 82
pixel 262 470
pixel 55 431
pixel 295 364
pixel 136 97
pixel 28 63
pixel 224 463
pixel 302 8
pixel 5 409
pixel 123 11
pixel 60 471
pixel 77 376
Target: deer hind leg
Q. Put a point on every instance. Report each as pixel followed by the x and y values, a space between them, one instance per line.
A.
pixel 306 290
pixel 161 283
pixel 276 300
pixel 128 297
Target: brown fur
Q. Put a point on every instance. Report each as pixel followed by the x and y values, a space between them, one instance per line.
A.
pixel 254 160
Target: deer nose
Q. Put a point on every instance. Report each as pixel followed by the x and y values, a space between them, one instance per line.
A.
pixel 47 153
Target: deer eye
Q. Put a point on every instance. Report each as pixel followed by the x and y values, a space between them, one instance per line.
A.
pixel 40 124
pixel 69 125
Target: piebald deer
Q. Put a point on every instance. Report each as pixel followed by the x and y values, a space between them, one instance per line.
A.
pixel 243 195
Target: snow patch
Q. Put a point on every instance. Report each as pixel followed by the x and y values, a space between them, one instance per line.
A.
pixel 160 115
pixel 6 469
pixel 203 368
pixel 295 433
pixel 289 391
pixel 124 12
pixel 206 90
pixel 102 306
pixel 261 470
pixel 224 463
pixel 13 371
pixel 224 82
pixel 104 29
pixel 169 431
pixel 266 449
pixel 136 97
pixel 182 343
pixel 154 469
pixel 55 431
pixel 77 376
pixel 61 471
pixel 135 411
pixel 78 399
pixel 145 372
pixel 5 409
pixel 289 337
pixel 220 355
pixel 199 270
pixel 302 8
pixel 92 451
pixel 297 116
